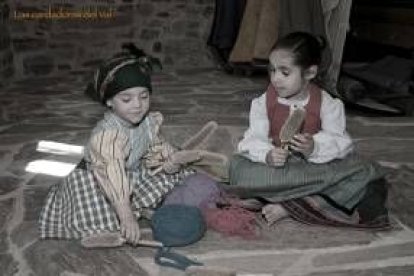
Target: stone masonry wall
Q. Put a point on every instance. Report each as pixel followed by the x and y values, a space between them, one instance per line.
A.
pixel 175 31
pixel 6 54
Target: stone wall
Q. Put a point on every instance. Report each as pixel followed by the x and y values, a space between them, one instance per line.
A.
pixel 6 54
pixel 175 31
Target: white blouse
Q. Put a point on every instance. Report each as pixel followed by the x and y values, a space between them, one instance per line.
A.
pixel 331 142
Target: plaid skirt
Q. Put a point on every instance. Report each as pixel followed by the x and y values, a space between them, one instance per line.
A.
pixel 78 207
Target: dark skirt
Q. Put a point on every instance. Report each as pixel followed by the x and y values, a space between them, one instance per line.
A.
pixel 344 192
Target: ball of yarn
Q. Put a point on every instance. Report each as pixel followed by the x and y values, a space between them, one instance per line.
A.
pixel 198 190
pixel 177 225
pixel 232 221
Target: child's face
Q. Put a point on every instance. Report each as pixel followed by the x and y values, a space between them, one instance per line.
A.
pixel 131 104
pixel 286 77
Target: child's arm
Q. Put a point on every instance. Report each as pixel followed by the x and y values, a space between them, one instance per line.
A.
pixel 256 144
pixel 109 149
pixel 332 141
pixel 160 150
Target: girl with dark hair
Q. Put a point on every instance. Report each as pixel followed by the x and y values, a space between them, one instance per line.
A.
pixel 296 156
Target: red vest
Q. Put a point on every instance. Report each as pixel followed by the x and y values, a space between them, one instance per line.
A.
pixel 277 113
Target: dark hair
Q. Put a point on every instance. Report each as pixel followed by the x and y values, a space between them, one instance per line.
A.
pixel 306 48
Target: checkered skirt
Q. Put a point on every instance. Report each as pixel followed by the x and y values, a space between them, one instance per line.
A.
pixel 77 206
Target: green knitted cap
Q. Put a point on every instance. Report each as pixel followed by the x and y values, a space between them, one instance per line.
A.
pixel 119 74
pixel 125 70
pixel 128 76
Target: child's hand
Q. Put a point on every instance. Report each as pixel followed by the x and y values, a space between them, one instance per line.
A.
pixel 170 167
pixel 303 143
pixel 180 158
pixel 277 157
pixel 129 225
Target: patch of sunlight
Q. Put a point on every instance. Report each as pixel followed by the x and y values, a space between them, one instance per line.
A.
pixel 49 167
pixel 59 148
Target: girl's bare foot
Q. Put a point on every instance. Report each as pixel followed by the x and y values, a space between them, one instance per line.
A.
pixel 274 213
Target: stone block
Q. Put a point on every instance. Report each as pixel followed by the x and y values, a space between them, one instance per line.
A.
pixel 401 194
pixel 179 27
pixel 28 44
pixel 94 63
pixel 192 35
pixel 193 25
pixel 64 38
pixel 383 149
pixel 7 73
pixel 374 127
pixel 6 59
pixel 163 14
pixel 193 12
pixel 64 67
pixel 155 23
pixel 253 265
pixel 9 184
pixel 34 198
pixel 8 265
pixel 203 2
pixel 149 34
pixel 157 47
pixel 6 211
pixel 20 7
pixel 145 9
pixel 377 253
pixel 125 8
pixel 4 246
pixel 188 53
pixel 50 258
pixel 124 20
pixel 4 42
pixel 4 12
pixel 25 233
pixel 62 45
pixel 38 65
pixel 168 60
pixel 208 12
pixel 404 270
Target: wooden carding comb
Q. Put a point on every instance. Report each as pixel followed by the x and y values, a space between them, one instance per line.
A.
pixel 291 126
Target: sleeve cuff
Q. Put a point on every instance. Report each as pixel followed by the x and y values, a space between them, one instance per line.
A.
pixel 259 156
pixel 315 151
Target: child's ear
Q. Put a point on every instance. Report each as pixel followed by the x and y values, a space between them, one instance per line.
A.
pixel 311 72
pixel 109 103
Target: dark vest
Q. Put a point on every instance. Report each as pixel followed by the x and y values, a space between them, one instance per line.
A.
pixel 277 113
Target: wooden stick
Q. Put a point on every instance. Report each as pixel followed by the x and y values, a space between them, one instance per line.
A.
pixel 150 243
pixel 113 239
pixel 200 137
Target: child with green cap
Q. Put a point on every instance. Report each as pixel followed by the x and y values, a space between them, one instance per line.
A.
pixel 115 186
